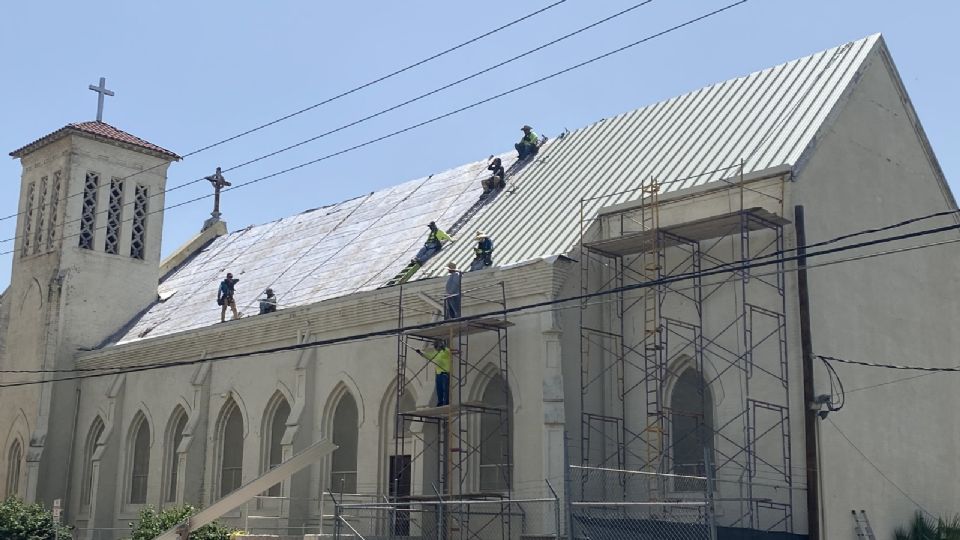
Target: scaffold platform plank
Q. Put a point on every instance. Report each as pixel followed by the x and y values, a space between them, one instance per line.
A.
pixel 693 231
pixel 480 496
pixel 452 410
pixel 473 326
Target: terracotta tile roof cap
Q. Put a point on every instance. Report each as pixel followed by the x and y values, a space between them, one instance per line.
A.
pixel 100 130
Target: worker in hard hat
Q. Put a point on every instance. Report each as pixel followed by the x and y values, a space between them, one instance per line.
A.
pixel 440 358
pixel 433 245
pixel 268 304
pixel 529 144
pixel 483 252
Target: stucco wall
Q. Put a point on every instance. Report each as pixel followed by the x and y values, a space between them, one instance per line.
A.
pixel 728 355
pixel 312 381
pixel 63 298
pixel 869 168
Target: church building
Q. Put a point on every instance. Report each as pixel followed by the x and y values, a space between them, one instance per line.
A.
pixel 646 350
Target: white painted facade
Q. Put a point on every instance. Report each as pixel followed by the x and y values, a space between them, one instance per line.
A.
pixel 868 165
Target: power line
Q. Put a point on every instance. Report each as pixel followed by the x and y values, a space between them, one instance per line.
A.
pixel 744 265
pixel 878 469
pixel 376 114
pixel 339 96
pixel 872 386
pixel 754 259
pixel 452 112
pixel 890 366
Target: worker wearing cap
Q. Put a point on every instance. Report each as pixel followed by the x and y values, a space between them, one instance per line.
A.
pixel 451 301
pixel 440 358
pixel 225 297
pixel 268 304
pixel 433 245
pixel 529 144
pixel 483 253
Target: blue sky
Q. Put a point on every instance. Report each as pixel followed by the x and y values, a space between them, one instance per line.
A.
pixel 187 74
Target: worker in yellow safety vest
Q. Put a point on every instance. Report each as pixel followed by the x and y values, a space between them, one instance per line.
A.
pixel 529 144
pixel 433 245
pixel 440 358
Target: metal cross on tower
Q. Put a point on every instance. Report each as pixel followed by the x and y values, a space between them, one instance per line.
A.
pixel 218 182
pixel 101 90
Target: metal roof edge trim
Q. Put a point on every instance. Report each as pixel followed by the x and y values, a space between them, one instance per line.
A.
pixel 884 52
pixel 837 106
pixel 728 182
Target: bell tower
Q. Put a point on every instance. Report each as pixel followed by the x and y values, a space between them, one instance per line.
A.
pixel 86 261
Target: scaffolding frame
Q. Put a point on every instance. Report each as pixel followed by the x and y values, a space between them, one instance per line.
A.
pixel 626 357
pixel 458 425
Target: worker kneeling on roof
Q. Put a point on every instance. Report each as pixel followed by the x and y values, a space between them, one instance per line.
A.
pixel 483 253
pixel 268 304
pixel 529 144
pixel 440 358
pixel 433 245
pixel 497 177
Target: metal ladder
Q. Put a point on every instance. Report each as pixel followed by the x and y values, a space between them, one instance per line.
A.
pixel 862 525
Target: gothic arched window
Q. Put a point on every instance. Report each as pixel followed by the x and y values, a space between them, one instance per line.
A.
pixel 178 422
pixel 691 428
pixel 89 448
pixel 231 448
pixel 14 459
pixel 140 460
pixel 343 467
pixel 496 452
pixel 275 424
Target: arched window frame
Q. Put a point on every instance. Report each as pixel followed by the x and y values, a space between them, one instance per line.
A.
pixel 96 430
pixel 274 426
pixel 701 411
pixel 139 444
pixel 344 460
pixel 171 463
pixel 225 486
pixel 495 472
pixel 14 467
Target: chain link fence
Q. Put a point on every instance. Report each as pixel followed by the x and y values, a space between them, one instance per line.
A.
pixel 616 504
pixel 508 519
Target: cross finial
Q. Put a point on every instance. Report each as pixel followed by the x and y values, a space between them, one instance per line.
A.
pixel 101 90
pixel 218 182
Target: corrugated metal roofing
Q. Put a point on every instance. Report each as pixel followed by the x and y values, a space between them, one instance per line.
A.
pixel 766 119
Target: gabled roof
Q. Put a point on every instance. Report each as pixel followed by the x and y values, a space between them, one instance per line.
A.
pixel 767 119
pixel 96 130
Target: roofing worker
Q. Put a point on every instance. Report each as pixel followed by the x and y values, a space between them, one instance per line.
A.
pixel 529 144
pixel 225 297
pixel 451 302
pixel 433 245
pixel 440 358
pixel 269 303
pixel 496 179
pixel 483 253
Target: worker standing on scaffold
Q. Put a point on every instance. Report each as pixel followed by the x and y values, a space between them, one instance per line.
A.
pixel 451 301
pixel 440 358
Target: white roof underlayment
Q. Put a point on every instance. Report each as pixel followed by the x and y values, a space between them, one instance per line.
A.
pixel 766 119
